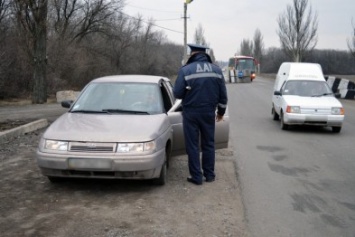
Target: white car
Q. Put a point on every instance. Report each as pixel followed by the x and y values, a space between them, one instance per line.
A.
pixel 307 102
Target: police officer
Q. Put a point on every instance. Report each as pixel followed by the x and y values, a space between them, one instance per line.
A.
pixel 201 86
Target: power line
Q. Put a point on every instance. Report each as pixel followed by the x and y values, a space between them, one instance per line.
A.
pixel 153 24
pixel 149 9
pixel 169 19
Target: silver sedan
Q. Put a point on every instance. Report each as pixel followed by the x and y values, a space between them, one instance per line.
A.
pixel 120 127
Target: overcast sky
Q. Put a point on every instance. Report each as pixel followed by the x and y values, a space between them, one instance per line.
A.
pixel 227 22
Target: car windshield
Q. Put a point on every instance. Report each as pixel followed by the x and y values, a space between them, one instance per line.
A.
pixel 306 88
pixel 122 98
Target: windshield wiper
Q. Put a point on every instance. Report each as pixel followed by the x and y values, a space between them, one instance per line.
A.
pixel 89 111
pixel 124 111
pixel 324 94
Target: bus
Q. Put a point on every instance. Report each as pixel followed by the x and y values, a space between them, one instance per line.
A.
pixel 241 69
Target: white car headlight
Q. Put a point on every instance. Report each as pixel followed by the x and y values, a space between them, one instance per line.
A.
pixel 337 111
pixel 293 109
pixel 55 145
pixel 136 147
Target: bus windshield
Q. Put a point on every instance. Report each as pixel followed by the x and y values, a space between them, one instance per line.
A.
pixel 242 67
pixel 246 63
pixel 242 63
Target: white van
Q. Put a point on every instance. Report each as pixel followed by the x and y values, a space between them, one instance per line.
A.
pixel 302 97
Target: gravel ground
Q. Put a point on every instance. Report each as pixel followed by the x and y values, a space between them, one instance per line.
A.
pixel 32 206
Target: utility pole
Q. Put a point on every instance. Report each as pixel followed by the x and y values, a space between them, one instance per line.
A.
pixel 185 29
pixel 185 34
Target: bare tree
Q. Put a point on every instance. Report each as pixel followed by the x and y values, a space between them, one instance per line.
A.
pixel 77 40
pixel 122 36
pixel 211 53
pixel 74 27
pixel 246 47
pixel 351 42
pixel 146 44
pixel 275 56
pixel 199 38
pixel 258 46
pixel 73 20
pixel 32 18
pixel 4 61
pixel 298 29
pixel 4 10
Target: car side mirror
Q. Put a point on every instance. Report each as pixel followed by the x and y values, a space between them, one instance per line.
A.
pixel 67 103
pixel 277 93
pixel 337 95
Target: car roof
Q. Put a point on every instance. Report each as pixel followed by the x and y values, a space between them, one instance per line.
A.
pixel 302 71
pixel 241 57
pixel 131 78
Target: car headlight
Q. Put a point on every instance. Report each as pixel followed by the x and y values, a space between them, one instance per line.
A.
pixel 338 111
pixel 293 109
pixel 55 145
pixel 136 147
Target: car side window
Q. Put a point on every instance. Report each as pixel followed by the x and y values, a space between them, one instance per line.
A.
pixel 290 88
pixel 282 89
pixel 168 103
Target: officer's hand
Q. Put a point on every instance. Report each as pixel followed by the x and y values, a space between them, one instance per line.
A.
pixel 219 118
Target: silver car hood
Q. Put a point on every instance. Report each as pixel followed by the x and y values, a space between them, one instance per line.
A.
pixel 310 102
pixel 107 128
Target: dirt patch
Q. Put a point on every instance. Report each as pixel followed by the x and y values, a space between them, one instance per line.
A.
pixel 32 206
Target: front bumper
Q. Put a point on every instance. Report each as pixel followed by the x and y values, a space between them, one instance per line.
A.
pixel 312 119
pixel 101 165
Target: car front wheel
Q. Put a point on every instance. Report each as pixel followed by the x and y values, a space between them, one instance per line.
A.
pixel 162 178
pixel 336 129
pixel 53 179
pixel 275 116
pixel 283 125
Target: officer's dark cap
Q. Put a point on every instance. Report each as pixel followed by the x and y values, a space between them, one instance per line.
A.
pixel 197 48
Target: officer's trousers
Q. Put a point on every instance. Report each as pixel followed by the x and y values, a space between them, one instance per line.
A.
pixel 197 125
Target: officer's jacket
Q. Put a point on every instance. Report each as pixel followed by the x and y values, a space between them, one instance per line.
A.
pixel 201 86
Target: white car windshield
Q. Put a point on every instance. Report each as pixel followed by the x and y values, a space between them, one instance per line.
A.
pixel 306 88
pixel 136 98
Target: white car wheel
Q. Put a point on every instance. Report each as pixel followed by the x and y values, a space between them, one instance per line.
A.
pixel 336 129
pixel 275 116
pixel 283 125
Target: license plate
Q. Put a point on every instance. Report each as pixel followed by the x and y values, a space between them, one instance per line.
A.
pixel 84 163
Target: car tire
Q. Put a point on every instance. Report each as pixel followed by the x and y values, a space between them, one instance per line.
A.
pixel 283 125
pixel 275 116
pixel 168 156
pixel 53 179
pixel 162 178
pixel 336 129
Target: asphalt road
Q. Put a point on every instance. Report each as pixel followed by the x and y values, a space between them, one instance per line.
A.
pixel 30 112
pixel 299 182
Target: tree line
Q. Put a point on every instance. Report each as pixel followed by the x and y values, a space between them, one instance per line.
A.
pixel 297 32
pixel 51 45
